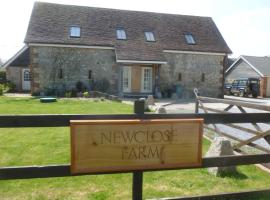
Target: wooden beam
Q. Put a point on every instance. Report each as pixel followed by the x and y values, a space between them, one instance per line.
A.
pixel 27 172
pixel 235 102
pixel 252 139
pixel 253 194
pixel 239 140
pixel 57 120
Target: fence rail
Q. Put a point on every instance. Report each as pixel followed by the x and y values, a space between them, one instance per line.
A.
pixel 26 172
pixel 15 121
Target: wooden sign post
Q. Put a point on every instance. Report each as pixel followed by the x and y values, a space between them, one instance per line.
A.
pixel 125 145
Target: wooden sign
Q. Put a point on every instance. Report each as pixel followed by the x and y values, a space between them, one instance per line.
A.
pixel 124 145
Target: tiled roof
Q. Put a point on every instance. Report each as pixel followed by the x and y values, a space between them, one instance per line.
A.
pixel 50 23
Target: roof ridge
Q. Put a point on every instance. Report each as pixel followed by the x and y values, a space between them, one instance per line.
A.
pixel 121 10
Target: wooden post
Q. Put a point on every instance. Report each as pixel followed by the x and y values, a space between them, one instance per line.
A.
pixel 196 106
pixel 139 107
pixel 196 93
pixel 137 179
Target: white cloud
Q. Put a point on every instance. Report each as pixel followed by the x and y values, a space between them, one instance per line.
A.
pixel 247 32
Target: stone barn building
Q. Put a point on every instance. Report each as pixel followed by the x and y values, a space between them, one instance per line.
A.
pixel 127 53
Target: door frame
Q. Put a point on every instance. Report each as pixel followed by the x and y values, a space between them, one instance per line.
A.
pixel 142 80
pixel 128 68
pixel 24 81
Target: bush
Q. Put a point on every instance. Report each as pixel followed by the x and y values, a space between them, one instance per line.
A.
pixel 67 94
pixel 79 86
pixel 86 94
pixel 11 87
pixel 73 92
pixel 2 89
pixel 3 78
pixel 102 85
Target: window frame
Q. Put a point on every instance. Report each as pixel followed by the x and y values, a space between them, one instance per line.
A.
pixel 70 31
pixel 121 30
pixel 190 40
pixel 203 77
pixel 90 74
pixel 152 36
pixel 60 73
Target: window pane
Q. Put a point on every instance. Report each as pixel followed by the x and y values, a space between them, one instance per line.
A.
pixel 189 39
pixel 26 75
pixel 75 31
pixel 149 36
pixel 121 34
pixel 147 79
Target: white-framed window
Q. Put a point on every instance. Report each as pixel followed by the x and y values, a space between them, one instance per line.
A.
pixel 75 31
pixel 121 34
pixel 26 75
pixel 189 38
pixel 126 79
pixel 146 79
pixel 149 36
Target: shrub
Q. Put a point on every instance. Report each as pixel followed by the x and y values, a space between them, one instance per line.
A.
pixel 73 93
pixel 67 94
pixel 11 87
pixel 2 89
pixel 102 85
pixel 3 78
pixel 86 94
pixel 79 86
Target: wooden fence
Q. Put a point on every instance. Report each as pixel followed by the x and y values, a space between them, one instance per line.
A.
pixel 255 129
pixel 27 172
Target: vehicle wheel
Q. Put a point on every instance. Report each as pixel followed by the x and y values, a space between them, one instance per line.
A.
pixel 241 94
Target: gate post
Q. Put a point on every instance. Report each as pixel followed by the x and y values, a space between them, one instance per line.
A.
pixel 137 178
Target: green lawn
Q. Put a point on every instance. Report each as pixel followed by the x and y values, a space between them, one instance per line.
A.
pixel 42 146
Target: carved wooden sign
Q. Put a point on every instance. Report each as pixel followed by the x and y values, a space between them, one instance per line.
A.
pixel 124 145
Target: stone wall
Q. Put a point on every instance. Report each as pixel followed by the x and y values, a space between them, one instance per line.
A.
pixel 14 74
pixel 75 63
pixel 191 67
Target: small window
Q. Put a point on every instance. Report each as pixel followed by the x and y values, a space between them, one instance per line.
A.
pixel 90 74
pixel 75 31
pixel 121 34
pixel 203 77
pixel 60 73
pixel 180 77
pixel 26 75
pixel 189 38
pixel 149 36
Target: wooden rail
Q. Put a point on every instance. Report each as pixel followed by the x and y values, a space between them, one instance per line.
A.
pixel 259 133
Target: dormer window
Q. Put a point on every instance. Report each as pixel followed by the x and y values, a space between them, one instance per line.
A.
pixel 149 36
pixel 189 38
pixel 75 31
pixel 121 34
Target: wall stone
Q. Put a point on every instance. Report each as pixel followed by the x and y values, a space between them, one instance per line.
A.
pixel 191 67
pixel 75 64
pixel 14 74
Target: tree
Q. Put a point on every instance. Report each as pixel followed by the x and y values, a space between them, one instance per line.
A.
pixel 1 62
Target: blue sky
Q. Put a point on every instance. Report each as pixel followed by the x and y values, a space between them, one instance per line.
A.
pixel 244 24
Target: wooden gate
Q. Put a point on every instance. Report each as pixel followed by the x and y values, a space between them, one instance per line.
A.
pixel 27 172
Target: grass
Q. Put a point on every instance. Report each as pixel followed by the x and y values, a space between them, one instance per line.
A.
pixel 42 146
pixel 63 106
